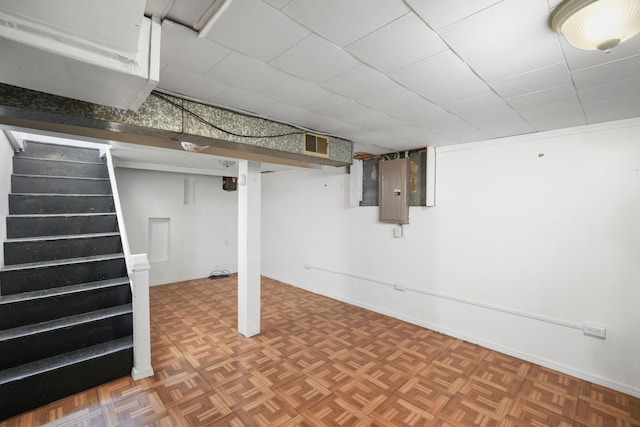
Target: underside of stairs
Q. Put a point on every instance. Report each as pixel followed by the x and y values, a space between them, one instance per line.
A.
pixel 65 298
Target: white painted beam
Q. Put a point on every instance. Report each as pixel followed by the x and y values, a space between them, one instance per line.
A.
pixel 249 217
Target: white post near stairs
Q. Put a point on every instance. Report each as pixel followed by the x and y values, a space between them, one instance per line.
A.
pixel 141 317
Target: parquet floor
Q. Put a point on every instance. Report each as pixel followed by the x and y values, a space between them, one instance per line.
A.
pixel 319 362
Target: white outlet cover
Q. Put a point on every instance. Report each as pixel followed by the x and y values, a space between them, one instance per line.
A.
pixel 594 330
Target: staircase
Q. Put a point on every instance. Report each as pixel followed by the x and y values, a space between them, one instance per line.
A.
pixel 65 298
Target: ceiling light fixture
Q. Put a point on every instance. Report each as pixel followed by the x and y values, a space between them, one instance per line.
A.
pixel 597 24
pixel 192 148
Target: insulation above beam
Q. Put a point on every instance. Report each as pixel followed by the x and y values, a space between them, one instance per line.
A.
pixel 165 121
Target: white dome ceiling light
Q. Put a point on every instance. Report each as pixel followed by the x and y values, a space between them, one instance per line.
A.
pixel 597 24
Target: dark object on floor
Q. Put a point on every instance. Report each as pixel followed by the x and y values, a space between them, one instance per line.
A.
pixel 219 274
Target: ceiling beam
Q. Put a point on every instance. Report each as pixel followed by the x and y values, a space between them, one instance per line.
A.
pixel 165 121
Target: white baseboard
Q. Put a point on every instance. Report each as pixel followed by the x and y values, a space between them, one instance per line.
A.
pixel 141 373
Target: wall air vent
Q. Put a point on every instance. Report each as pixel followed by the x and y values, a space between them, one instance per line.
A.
pixel 317 145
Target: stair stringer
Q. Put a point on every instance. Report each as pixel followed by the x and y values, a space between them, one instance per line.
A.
pixel 71 318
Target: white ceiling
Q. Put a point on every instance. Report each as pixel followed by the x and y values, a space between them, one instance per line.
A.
pixel 394 74
pixel 386 74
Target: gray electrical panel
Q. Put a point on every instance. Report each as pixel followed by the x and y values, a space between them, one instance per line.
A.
pixel 394 194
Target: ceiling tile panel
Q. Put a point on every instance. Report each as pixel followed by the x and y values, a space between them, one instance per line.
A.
pixel 491 114
pixel 456 91
pixel 402 42
pixel 188 12
pixel 343 22
pixel 315 59
pixel 157 7
pixel 256 29
pixel 370 118
pixel 360 83
pixel 333 105
pixel 440 13
pixel 435 70
pixel 245 72
pixel 507 39
pixel 402 104
pixel 376 142
pixel 620 70
pixel 613 109
pixel 181 48
pixel 190 84
pixel 293 114
pixel 619 89
pixel 243 100
pixel 391 125
pixel 455 129
pixel 553 116
pixel 296 91
pixel 552 95
pixel 533 81
pixel 278 4
pixel 334 126
pixel 410 137
pixel 351 112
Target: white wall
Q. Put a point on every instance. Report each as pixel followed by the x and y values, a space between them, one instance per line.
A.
pixel 202 236
pixel 544 224
pixel 6 168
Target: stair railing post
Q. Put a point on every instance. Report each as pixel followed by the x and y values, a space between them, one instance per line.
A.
pixel 141 317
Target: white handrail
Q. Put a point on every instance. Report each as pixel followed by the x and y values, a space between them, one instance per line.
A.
pixel 126 250
pixel 138 272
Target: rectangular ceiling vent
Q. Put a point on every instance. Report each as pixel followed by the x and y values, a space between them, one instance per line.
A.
pixel 317 145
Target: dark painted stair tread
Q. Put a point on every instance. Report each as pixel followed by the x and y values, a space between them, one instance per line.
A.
pixel 34 225
pixel 67 261
pixel 41 305
pixel 63 290
pixel 33 276
pixel 62 194
pixel 59 184
pixel 69 203
pixel 83 178
pixel 62 215
pixel 62 237
pixel 86 162
pixel 66 359
pixel 43 248
pixel 45 150
pixel 64 322
pixel 55 167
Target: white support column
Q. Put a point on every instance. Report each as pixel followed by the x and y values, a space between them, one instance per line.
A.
pixel 249 199
pixel 141 319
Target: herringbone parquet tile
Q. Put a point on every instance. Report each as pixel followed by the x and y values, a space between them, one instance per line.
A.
pixel 318 362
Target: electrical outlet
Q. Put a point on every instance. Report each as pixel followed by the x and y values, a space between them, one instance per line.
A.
pixel 592 330
pixel 399 286
pixel 307 266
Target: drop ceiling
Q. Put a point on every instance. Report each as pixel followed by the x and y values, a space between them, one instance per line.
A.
pixel 394 74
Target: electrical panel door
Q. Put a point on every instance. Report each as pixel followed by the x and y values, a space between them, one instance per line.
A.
pixel 394 194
